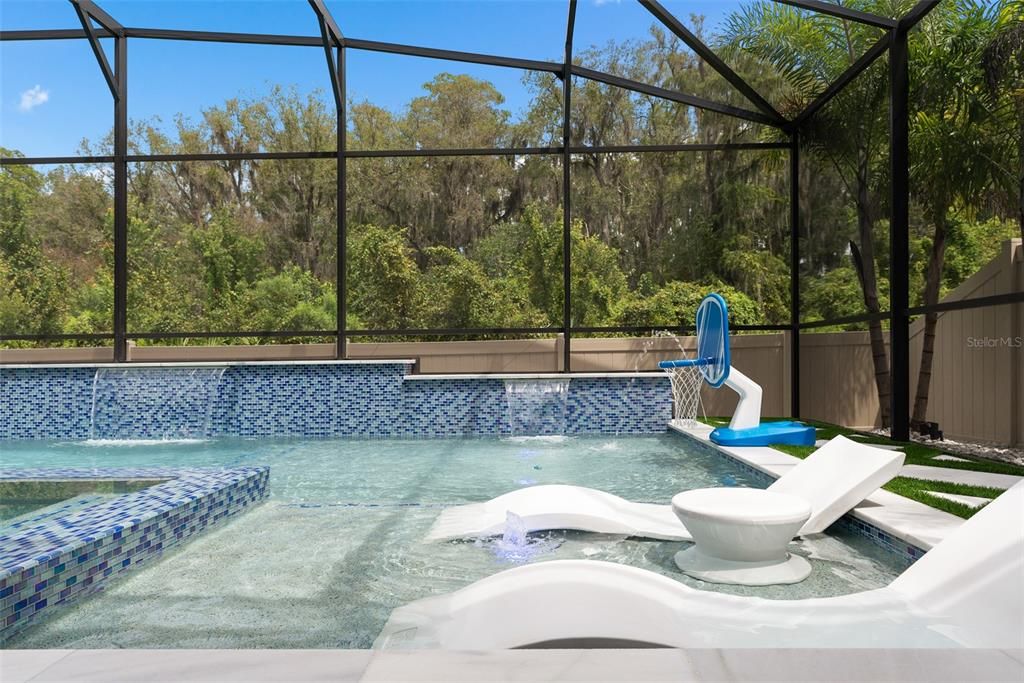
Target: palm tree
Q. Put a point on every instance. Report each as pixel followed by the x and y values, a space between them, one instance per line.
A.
pixel 954 140
pixel 810 51
pixel 1003 61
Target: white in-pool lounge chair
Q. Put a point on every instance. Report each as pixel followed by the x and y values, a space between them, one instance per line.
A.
pixel 833 479
pixel 968 591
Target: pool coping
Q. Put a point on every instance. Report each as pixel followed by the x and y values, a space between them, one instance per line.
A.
pixel 691 664
pixel 52 561
pixel 204 364
pixel 538 375
pixel 901 518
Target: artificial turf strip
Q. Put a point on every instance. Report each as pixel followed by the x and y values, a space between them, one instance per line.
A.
pixel 918 489
pixel 922 454
pixel 915 454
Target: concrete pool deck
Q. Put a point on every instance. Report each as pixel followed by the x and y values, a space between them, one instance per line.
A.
pixel 294 666
pixel 907 520
pixel 969 477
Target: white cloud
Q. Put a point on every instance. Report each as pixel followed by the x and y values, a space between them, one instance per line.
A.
pixel 599 3
pixel 33 97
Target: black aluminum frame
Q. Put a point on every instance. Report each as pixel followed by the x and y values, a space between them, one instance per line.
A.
pixel 97 24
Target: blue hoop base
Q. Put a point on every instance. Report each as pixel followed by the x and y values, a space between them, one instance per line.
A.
pixel 766 434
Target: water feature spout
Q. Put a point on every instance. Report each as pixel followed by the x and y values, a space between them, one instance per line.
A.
pixel 537 407
pixel 165 403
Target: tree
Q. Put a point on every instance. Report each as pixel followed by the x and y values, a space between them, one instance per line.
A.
pixel 676 303
pixel 32 300
pixel 954 141
pixel 462 295
pixel 292 299
pixel 385 282
pixel 811 50
pixel 447 201
pixel 1003 62
pixel 530 250
pixel 477 241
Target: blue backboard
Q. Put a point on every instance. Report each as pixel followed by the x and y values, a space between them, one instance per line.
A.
pixel 713 339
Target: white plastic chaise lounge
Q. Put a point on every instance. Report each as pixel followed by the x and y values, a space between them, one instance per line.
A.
pixel 833 479
pixel 968 591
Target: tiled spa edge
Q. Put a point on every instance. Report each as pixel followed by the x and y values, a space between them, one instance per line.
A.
pixel 52 562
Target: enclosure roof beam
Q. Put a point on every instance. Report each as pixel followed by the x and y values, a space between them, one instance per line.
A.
pixel 917 13
pixel 82 9
pixel 570 27
pixel 332 65
pixel 330 36
pixel 713 60
pixel 454 55
pixel 672 95
pixel 908 21
pixel 837 10
pixel 837 86
pixel 50 34
pixel 297 41
pixel 394 153
pixel 102 18
pixel 224 37
pixel 570 31
pixel 325 17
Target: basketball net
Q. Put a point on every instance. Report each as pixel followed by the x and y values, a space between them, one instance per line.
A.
pixel 686 384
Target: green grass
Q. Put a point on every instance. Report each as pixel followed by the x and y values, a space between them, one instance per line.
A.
pixel 916 454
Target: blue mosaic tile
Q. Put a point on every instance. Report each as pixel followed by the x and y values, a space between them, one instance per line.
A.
pixel 452 407
pixel 314 401
pixel 46 403
pixel 619 405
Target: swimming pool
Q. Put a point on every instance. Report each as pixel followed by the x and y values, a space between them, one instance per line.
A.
pixel 339 543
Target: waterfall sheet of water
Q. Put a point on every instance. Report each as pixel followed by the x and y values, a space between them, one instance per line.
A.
pixel 537 407
pixel 139 405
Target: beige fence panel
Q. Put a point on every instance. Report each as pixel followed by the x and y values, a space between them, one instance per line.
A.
pixel 452 357
pixel 837 379
pixel 240 352
pixel 977 386
pixel 83 355
pixel 975 392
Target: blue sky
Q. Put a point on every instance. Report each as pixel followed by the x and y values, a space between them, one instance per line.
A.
pixel 52 94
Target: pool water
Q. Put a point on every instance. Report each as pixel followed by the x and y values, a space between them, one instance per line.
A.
pixel 15 511
pixel 12 509
pixel 339 543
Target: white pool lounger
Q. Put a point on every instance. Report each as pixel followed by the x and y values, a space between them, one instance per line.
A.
pixel 833 479
pixel 559 506
pixel 968 591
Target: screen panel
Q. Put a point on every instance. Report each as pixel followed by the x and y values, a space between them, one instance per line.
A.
pixel 56 253
pixel 454 242
pixel 232 246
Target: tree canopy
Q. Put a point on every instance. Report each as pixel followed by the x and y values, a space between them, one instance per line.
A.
pixel 476 242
